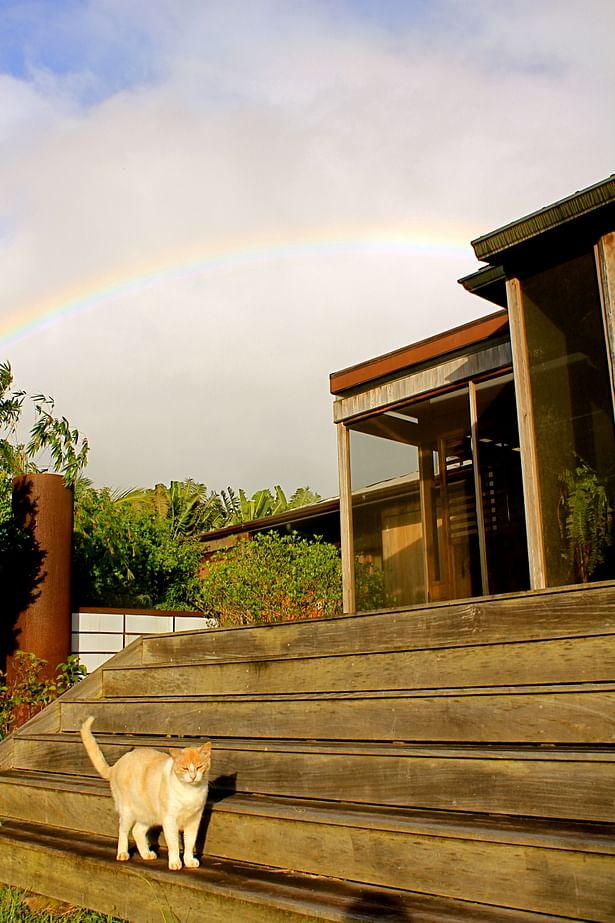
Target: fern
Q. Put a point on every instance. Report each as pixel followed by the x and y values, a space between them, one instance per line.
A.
pixel 585 514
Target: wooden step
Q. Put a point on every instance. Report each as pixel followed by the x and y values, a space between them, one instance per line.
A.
pixel 564 714
pixel 569 660
pixel 533 616
pixel 554 868
pixel 531 781
pixel 219 891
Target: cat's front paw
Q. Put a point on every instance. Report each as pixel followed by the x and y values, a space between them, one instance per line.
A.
pixel 123 857
pixel 175 864
pixel 149 856
pixel 191 863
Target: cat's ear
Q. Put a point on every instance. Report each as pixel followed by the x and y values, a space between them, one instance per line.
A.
pixel 205 749
pixel 175 752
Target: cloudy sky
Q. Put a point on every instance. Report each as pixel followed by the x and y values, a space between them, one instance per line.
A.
pixel 207 206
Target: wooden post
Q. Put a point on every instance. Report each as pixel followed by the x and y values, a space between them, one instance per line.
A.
pixel 43 506
pixel 527 438
pixel 347 544
pixel 605 262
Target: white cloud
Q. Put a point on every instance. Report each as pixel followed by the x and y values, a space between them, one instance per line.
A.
pixel 238 124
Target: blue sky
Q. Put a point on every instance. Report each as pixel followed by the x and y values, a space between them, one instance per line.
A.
pixel 105 48
pixel 141 139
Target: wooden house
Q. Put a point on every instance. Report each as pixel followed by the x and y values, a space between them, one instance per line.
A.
pixel 448 755
pixel 483 448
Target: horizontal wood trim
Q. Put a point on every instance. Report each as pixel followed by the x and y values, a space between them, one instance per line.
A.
pixel 536 832
pixel 523 877
pixel 452 372
pixel 572 660
pixel 79 872
pixel 571 612
pixel 424 351
pixel 221 890
pixel 85 806
pixel 571 717
pixel 576 786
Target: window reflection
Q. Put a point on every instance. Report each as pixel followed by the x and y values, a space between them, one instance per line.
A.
pixel 415 526
pixel 573 415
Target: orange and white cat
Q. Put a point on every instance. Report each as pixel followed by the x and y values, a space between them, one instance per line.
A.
pixel 151 788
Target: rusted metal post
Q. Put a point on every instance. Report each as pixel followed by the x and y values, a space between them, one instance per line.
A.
pixel 43 506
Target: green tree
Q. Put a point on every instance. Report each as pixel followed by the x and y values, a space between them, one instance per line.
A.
pixel 66 449
pixel 272 578
pixel 126 554
pixel 187 506
pixel 141 548
pixel 238 507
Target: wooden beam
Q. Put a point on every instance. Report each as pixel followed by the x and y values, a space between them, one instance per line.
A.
pixel 427 350
pixel 347 543
pixel 605 262
pixel 527 440
pixel 455 371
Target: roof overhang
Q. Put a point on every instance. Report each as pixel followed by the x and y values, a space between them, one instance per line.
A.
pixel 431 350
pixel 588 208
pixel 488 282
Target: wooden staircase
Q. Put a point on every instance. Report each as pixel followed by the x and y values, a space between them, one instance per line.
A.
pixel 448 763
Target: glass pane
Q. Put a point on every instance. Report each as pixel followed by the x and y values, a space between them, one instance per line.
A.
pixel 414 510
pixel 573 414
pixel 502 487
pixel 388 541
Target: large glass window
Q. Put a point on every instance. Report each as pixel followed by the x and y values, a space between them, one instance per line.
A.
pixel 419 534
pixel 503 509
pixel 573 419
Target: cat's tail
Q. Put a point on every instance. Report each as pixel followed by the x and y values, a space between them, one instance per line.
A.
pixel 93 750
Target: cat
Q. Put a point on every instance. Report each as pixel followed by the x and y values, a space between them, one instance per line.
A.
pixel 152 788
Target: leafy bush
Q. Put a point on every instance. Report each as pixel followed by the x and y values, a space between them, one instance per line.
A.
pixel 126 555
pixel 26 693
pixel 272 578
pixel 585 520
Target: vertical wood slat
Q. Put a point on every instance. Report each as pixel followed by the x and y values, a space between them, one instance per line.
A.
pixel 478 488
pixel 529 464
pixel 347 544
pixel 605 264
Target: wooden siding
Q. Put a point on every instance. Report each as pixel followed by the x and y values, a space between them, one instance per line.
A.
pixel 444 375
pixel 454 761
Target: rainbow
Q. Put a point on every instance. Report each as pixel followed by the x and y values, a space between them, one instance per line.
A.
pixel 104 289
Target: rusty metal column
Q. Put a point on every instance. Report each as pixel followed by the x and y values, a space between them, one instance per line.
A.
pixel 43 505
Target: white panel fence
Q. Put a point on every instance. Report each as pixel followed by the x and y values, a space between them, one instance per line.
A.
pixel 98 634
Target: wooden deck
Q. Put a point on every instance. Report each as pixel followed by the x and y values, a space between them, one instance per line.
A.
pixel 448 763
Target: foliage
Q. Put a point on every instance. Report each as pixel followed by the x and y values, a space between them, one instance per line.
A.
pixel 187 505
pixel 238 507
pixel 585 519
pixel 67 449
pixel 17 907
pixel 272 578
pixel 125 554
pixel 141 548
pixel 20 555
pixel 26 692
pixel 369 588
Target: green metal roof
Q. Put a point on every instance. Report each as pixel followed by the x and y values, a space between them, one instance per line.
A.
pixel 490 246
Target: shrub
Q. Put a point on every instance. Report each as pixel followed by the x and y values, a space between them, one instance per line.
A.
pixel 272 578
pixel 124 555
pixel 26 693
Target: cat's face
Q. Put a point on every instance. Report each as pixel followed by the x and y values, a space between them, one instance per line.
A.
pixel 191 764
